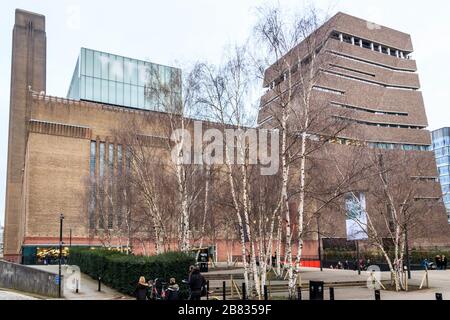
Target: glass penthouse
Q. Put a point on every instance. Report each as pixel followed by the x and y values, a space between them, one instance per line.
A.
pixel 112 79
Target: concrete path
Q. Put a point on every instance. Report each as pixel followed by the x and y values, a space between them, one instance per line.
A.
pixel 439 282
pixel 12 295
pixel 88 288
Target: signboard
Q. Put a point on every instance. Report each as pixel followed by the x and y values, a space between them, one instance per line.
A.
pixel 356 222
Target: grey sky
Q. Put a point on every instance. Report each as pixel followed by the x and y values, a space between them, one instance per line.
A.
pixel 182 30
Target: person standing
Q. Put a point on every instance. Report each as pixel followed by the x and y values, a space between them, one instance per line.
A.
pixel 173 291
pixel 444 262
pixel 438 261
pixel 196 284
pixel 142 290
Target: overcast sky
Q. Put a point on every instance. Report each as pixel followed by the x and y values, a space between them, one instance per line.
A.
pixel 187 30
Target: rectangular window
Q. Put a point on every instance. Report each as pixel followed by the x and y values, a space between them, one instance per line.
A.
pixel 102 160
pixel 89 88
pixel 119 160
pixel 89 63
pixel 93 193
pixel 141 97
pixel 134 73
pixel 104 91
pixel 119 93
pixel 134 96
pixel 97 65
pixel 111 183
pixel 112 92
pixel 104 60
pixel 111 73
pixel 127 94
pixel 83 87
pixel 97 89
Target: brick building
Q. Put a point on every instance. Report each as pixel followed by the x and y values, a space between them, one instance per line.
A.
pixel 364 75
pixel 51 139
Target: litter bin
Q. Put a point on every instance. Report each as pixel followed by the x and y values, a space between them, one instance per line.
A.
pixel 203 267
pixel 203 262
pixel 316 290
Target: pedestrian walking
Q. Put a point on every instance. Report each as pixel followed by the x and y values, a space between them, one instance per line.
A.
pixel 444 262
pixel 142 290
pixel 197 283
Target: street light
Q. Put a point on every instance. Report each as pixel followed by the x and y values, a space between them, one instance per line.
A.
pixel 61 219
pixel 319 241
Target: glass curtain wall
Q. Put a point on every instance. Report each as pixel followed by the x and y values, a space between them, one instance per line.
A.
pixel 441 148
pixel 112 79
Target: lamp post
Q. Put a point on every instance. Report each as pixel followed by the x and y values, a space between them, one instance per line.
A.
pixel 408 262
pixel 319 240
pixel 61 219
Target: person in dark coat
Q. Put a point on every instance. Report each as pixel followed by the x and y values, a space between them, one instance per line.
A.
pixel 444 262
pixel 196 284
pixel 438 261
pixel 142 290
pixel 173 291
pixel 346 265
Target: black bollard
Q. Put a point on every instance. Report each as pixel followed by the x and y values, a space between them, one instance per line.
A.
pixel 244 292
pixel 266 296
pixel 224 292
pixel 331 293
pixel 299 293
pixel 377 295
pixel 207 289
pixel 99 283
pixel 439 296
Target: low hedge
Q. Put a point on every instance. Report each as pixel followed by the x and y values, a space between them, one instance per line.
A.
pixel 121 271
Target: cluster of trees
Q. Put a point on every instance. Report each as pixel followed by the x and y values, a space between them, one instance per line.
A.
pixel 178 204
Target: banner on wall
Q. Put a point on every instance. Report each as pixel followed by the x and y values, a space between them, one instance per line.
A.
pixel 356 222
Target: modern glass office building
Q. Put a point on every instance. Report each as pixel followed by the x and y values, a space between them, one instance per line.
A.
pixel 441 148
pixel 112 79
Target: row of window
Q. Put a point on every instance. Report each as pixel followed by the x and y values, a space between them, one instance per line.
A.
pixel 444 180
pixel 369 62
pixel 367 44
pixel 378 145
pixel 377 112
pixel 329 90
pixel 443 161
pixel 397 146
pixel 110 156
pixel 443 171
pixel 440 142
pixel 118 93
pixel 375 83
pixel 384 125
pixel 126 70
pixel 442 151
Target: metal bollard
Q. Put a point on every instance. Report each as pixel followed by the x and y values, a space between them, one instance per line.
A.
pixel 299 293
pixel 244 292
pixel 224 293
pixel 207 289
pixel 331 293
pixel 99 283
pixel 439 296
pixel 266 296
pixel 377 295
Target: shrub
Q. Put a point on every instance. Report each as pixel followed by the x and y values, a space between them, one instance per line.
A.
pixel 121 271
